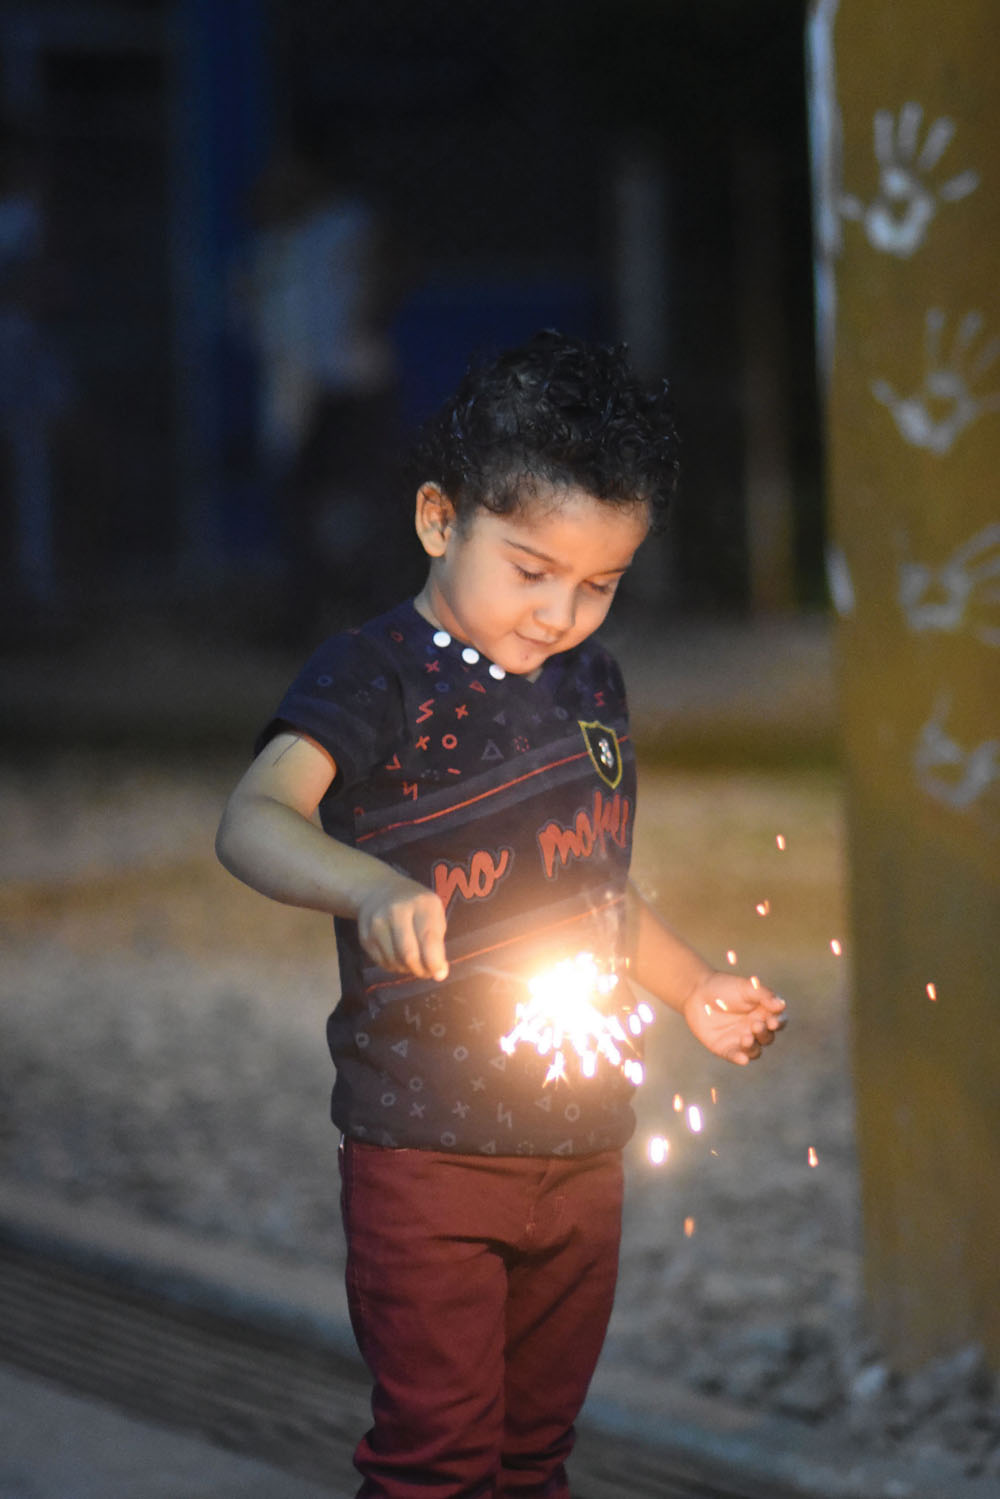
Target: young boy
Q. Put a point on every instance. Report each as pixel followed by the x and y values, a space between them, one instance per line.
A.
pixel 455 783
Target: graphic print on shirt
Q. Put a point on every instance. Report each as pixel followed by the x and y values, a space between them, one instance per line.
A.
pixel 474 879
pixel 483 789
pixel 603 749
pixel 588 834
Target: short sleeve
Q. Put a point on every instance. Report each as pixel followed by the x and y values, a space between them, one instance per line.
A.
pixel 349 699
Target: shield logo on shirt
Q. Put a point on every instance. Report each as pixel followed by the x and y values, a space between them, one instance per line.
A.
pixel 602 746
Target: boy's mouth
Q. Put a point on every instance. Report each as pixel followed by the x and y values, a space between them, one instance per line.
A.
pixel 538 645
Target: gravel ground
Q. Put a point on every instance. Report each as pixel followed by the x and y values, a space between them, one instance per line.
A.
pixel 161 1030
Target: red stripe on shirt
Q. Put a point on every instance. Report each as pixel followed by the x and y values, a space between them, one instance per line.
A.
pixel 412 822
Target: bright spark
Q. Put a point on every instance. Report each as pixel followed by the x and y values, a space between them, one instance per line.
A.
pixel 694 1119
pixel 688 1227
pixel 557 1070
pixel 678 1104
pixel 780 841
pixel 564 1014
pixel 715 1095
pixel 658 1150
pixel 731 957
pixel 813 1157
pixel 836 947
pixel 763 908
pixel 932 991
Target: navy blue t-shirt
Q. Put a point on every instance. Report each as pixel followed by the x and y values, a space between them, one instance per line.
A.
pixel 514 800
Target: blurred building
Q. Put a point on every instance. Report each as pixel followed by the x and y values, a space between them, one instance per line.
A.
pixel 636 169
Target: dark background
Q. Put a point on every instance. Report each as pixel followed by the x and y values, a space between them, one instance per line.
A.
pixel 491 141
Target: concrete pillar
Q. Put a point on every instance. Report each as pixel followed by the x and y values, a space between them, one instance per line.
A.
pixel 906 119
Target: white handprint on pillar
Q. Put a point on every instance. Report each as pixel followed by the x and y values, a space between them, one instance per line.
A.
pixel 947 772
pixel 962 594
pixel 947 402
pixel 898 217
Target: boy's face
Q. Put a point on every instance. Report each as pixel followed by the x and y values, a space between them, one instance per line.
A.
pixel 522 587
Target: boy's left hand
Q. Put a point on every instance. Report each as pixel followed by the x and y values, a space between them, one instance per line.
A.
pixel 733 1016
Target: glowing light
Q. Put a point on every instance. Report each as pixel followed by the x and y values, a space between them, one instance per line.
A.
pixel 836 947
pixel 678 1104
pixel 658 1150
pixel 813 1157
pixel 564 1015
pixel 694 1119
pixel 557 1070
pixel 715 1095
pixel 731 957
pixel 932 991
pixel 780 841
pixel 763 908
pixel 754 981
pixel 688 1228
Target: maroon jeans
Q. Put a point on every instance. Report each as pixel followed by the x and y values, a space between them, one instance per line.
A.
pixel 480 1290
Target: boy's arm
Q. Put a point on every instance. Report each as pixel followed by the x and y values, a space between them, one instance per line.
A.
pixel 267 839
pixel 733 1016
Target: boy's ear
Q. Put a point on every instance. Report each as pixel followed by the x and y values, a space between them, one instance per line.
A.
pixel 435 519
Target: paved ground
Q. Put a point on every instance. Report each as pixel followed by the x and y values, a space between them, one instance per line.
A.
pixel 60 1446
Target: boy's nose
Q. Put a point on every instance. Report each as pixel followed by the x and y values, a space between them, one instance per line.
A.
pixel 557 612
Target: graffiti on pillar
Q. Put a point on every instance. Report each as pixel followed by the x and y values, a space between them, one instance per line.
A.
pixel 840 582
pixel 922 168
pixel 955 776
pixel 898 217
pixel 936 414
pixel 827 137
pixel 962 594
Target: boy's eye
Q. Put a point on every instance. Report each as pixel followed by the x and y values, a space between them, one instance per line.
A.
pixel 604 587
pixel 529 577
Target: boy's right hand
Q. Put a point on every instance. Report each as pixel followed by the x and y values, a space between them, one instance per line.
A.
pixel 401 926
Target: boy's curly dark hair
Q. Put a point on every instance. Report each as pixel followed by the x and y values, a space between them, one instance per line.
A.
pixel 557 411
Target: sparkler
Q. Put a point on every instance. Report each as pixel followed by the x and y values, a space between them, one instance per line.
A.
pixel 658 1150
pixel 564 1012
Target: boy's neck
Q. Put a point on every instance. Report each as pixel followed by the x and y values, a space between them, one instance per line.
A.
pixel 422 604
